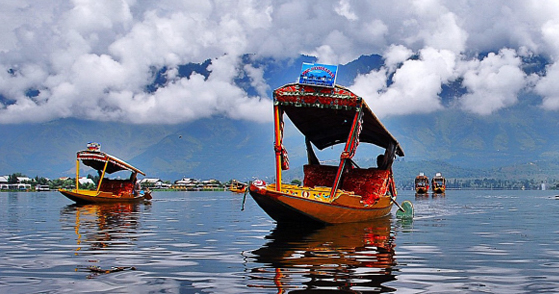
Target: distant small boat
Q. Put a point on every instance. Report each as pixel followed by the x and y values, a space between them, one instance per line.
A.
pixel 421 184
pixel 438 184
pixel 329 115
pixel 108 190
pixel 237 187
pixel 42 188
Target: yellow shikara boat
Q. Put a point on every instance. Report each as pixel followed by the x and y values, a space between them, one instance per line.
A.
pixel 438 184
pixel 326 116
pixel 238 187
pixel 108 190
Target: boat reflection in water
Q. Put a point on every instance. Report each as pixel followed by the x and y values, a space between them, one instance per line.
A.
pixel 341 258
pixel 100 226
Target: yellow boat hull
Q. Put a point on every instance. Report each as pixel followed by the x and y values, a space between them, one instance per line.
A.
pixel 439 190
pixel 238 190
pixel 86 196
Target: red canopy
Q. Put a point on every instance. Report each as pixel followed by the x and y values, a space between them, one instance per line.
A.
pixel 97 160
pixel 325 115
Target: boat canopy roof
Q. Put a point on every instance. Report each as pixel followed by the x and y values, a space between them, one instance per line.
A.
pixel 325 115
pixel 97 160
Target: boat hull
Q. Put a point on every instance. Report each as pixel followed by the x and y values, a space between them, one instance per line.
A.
pixel 285 207
pixel 439 190
pixel 101 197
pixel 238 190
pixel 421 190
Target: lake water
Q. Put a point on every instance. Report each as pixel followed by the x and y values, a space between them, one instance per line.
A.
pixel 201 242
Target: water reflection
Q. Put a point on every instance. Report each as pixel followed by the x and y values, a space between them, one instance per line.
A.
pixel 100 226
pixel 421 196
pixel 439 195
pixel 346 258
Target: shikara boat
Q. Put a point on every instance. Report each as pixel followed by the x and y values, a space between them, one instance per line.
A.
pixel 438 184
pixel 108 190
pixel 237 187
pixel 327 116
pixel 421 184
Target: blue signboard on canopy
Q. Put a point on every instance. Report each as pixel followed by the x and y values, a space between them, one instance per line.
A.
pixel 318 74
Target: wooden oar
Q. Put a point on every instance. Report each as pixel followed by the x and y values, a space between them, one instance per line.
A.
pixel 393 195
pixel 397 204
pixel 245 196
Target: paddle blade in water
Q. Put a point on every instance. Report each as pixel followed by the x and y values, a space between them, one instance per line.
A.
pixel 408 210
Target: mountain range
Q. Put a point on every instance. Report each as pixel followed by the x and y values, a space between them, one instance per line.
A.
pixel 516 142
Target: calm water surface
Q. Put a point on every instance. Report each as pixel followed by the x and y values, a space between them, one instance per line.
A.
pixel 201 242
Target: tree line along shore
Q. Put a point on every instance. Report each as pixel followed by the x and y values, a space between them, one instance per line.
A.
pixel 20 182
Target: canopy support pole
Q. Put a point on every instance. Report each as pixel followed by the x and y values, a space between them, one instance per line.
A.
pixel 102 175
pixel 77 175
pixel 277 145
pixel 350 146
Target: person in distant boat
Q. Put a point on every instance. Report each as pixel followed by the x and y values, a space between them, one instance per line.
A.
pixel 135 184
pixel 137 188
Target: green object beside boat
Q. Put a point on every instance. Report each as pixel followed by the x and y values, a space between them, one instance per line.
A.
pixel 407 213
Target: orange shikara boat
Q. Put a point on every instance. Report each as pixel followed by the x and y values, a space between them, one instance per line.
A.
pixel 108 190
pixel 421 184
pixel 438 184
pixel 327 116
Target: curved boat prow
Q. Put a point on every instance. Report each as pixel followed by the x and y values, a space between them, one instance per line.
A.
pixel 147 194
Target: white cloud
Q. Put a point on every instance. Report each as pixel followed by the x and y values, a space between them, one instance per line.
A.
pixel 548 86
pixel 256 76
pixel 437 27
pixel 492 83
pixel 395 55
pixel 93 58
pixel 344 9
pixel 104 58
pixel 416 84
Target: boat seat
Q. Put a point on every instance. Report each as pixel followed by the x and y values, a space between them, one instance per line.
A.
pixel 117 186
pixel 319 175
pixel 369 183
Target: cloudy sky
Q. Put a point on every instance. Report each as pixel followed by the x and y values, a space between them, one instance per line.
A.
pixel 93 59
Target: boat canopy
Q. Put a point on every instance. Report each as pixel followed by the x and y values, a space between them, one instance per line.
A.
pixel 97 161
pixel 325 115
